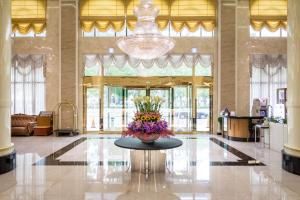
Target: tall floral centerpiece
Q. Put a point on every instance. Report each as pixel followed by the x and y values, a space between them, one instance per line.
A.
pixel 148 124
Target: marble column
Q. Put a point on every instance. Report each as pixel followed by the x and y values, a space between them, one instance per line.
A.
pixel 291 152
pixel 69 61
pixel 7 152
pixel 227 45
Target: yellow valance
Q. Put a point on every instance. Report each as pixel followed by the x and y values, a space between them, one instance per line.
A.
pixel 192 14
pixel 102 14
pixel 106 14
pixel 28 15
pixel 271 14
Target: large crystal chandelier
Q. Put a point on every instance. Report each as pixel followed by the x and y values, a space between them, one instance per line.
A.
pixel 146 42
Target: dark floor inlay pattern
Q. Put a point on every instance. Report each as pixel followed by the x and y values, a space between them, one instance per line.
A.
pixel 52 159
pixel 245 160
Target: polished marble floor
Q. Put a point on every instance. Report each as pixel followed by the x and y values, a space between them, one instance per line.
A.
pixel 92 167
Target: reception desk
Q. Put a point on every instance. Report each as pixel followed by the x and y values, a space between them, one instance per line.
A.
pixel 239 128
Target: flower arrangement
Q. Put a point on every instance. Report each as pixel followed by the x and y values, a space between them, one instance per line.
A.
pixel 147 124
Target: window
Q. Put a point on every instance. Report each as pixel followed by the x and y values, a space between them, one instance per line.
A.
pixel 27 84
pixel 264 32
pixel 169 31
pixel 268 73
pixel 30 34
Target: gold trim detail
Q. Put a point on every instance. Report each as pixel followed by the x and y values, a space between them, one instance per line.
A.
pixel 291 148
pixel 8 149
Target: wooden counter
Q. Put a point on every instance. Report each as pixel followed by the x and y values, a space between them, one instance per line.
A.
pixel 239 128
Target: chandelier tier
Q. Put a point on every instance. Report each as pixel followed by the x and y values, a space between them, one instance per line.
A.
pixel 146 42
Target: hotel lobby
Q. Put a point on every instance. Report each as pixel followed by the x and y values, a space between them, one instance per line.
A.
pixel 144 99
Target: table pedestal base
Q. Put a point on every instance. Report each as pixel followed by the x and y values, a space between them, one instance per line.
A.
pixel 147 161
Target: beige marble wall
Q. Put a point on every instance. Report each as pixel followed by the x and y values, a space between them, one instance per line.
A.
pixel 230 47
pixel 68 74
pixel 242 76
pixel 227 54
pixel 236 46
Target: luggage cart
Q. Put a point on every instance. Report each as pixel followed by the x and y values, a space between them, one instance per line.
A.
pixel 66 131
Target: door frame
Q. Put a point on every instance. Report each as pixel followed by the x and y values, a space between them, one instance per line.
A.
pixel 148 83
pixel 210 89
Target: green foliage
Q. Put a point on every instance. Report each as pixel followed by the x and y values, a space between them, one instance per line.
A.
pixel 277 120
pixel 146 104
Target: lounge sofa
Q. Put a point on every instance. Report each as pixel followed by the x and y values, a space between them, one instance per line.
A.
pixel 22 125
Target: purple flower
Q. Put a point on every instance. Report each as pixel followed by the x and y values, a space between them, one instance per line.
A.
pixel 148 127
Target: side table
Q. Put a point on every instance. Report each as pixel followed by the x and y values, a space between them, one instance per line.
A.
pixel 136 144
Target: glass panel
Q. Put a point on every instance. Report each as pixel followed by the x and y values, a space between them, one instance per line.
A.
pixel 186 33
pixel 89 34
pixel 113 108
pixel 92 109
pixel 173 33
pixel 108 33
pixel 202 71
pixel 166 31
pixel 39 97
pixel 165 107
pixel 182 108
pixel 266 33
pixel 283 33
pixel 253 33
pixel 92 71
pixel 92 68
pixel 19 102
pixel 205 33
pixel 122 33
pixel 29 34
pixel 203 109
pixel 130 108
pixel 153 71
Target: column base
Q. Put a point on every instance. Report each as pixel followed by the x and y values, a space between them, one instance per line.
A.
pixel 7 162
pixel 290 163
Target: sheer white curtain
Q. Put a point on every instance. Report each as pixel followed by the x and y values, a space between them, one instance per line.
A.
pixel 27 84
pixel 268 73
pixel 175 60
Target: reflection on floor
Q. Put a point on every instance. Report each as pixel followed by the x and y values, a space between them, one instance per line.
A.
pixel 91 167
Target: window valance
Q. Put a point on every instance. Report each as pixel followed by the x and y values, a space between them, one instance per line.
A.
pixel 28 15
pixel 24 63
pixel 269 64
pixel 106 14
pixel 271 14
pixel 174 60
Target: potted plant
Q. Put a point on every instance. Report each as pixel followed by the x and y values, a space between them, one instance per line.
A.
pixel 220 121
pixel 147 124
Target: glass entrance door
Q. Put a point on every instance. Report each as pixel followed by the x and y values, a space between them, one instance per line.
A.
pixel 117 107
pixel 203 109
pixel 182 108
pixel 113 108
pixel 165 109
pixel 130 94
pixel 92 117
